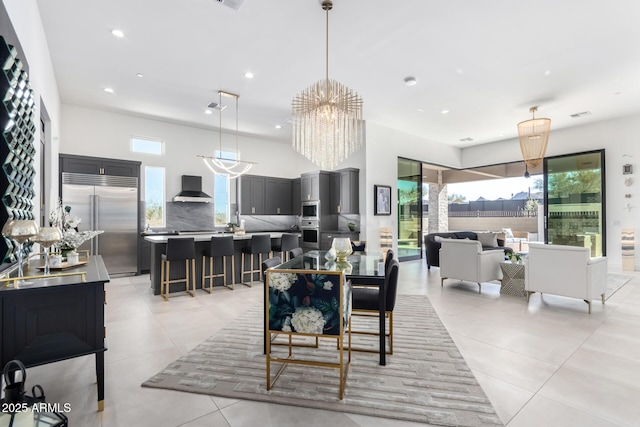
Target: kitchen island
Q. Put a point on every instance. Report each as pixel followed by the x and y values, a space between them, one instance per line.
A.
pixel 202 240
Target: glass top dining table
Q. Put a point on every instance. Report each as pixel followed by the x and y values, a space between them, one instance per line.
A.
pixel 357 264
pixel 360 268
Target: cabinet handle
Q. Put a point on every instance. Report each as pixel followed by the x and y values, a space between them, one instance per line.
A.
pixel 339 208
pixel 253 210
pixel 278 210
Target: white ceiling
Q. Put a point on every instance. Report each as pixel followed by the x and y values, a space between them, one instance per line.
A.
pixel 485 61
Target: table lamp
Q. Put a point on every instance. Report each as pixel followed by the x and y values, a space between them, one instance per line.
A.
pixel 46 237
pixel 20 230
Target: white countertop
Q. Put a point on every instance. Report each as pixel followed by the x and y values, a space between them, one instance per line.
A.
pixel 199 237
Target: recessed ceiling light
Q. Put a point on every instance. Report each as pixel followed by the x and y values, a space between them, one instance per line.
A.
pixel 420 110
pixel 548 72
pixel 117 33
pixel 444 112
pixel 208 111
pixel 139 75
pixel 278 127
pixel 108 90
pixel 410 81
pixel 248 75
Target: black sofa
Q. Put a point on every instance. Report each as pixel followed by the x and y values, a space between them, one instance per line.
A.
pixel 432 246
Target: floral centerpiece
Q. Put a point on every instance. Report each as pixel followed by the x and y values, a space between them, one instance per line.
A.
pixel 72 238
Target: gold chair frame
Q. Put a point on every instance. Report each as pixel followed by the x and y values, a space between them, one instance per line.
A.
pixel 273 334
pixel 165 274
pixel 212 276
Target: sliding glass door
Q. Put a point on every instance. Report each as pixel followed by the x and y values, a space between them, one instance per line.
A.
pixel 409 209
pixel 575 201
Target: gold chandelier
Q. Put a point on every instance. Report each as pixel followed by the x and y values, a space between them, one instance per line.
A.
pixel 224 166
pixel 534 137
pixel 327 118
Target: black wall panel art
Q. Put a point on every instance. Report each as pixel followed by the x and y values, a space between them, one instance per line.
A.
pixel 17 150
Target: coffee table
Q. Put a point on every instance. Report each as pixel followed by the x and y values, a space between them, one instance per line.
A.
pixel 512 279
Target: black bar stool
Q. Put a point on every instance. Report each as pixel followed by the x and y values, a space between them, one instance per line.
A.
pixel 221 247
pixel 260 244
pixel 178 249
pixel 287 242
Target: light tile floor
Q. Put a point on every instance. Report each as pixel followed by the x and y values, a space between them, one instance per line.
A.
pixel 548 363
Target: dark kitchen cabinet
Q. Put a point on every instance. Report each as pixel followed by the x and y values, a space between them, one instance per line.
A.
pixel 315 186
pixel 296 196
pixel 349 191
pixel 252 195
pixel 278 196
pixel 98 166
pixel 345 191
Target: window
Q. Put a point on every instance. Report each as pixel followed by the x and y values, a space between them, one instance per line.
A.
pixel 154 195
pixel 147 146
pixel 222 193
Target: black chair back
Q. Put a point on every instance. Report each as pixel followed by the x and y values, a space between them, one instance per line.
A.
pixel 358 246
pixel 388 259
pixel 221 246
pixel 391 283
pixel 179 249
pixel 295 252
pixel 260 243
pixel 270 263
pixel 289 241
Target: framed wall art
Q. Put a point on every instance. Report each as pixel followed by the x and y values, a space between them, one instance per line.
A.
pixel 382 200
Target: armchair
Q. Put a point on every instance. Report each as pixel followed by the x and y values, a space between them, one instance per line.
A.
pixel 465 260
pixel 566 271
pixel 302 304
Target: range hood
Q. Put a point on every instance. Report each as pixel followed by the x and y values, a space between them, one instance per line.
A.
pixel 192 190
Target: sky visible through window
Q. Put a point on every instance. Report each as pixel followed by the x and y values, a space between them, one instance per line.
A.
pixel 154 195
pixel 493 189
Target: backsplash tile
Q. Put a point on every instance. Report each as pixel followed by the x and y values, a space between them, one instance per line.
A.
pixel 189 216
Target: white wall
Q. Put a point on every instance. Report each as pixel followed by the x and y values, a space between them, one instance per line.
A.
pixel 384 146
pixel 25 18
pixel 99 133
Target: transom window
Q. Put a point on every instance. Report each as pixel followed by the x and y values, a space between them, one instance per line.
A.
pixel 146 145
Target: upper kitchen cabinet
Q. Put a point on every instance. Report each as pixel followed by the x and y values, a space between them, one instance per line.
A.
pixel 296 196
pixel 315 186
pixel 98 166
pixel 278 200
pixel 252 195
pixel 345 191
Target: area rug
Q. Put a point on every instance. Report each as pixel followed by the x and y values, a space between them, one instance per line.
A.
pixel 614 283
pixel 425 380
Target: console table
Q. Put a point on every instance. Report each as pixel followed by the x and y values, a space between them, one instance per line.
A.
pixel 55 319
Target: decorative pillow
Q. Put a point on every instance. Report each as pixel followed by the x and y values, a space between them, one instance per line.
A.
pixel 437 239
pixel 507 233
pixel 488 239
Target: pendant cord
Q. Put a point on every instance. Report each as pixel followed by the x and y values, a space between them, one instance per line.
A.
pixel 220 123
pixel 327 46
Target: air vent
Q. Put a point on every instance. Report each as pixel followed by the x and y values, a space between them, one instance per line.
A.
pixel 578 115
pixel 233 4
pixel 467 139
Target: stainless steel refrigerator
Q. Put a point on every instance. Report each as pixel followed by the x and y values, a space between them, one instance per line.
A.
pixel 109 203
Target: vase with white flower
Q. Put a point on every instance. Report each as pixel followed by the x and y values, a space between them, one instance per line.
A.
pixel 72 237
